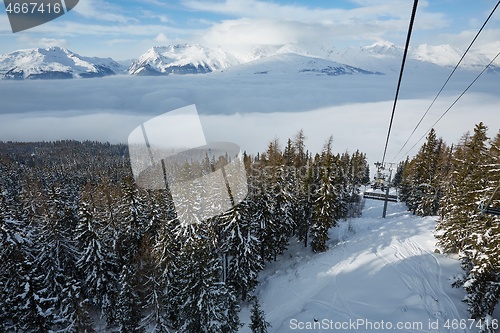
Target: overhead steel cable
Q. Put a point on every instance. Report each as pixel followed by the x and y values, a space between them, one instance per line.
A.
pixel 410 28
pixel 448 79
pixel 453 104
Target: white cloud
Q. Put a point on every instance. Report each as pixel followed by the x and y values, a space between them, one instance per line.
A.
pixel 306 14
pixel 153 15
pixel 71 28
pixel 156 2
pixel 103 11
pixel 42 42
pixel 113 42
pixel 360 126
pixel 464 37
pixel 161 38
pixel 271 23
pixel 246 33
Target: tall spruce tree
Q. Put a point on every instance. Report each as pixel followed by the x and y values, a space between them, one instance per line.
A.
pixel 96 260
pixel 207 305
pixel 466 186
pixel 15 264
pixel 128 314
pixel 259 323
pixel 159 291
pixel 324 206
pixel 422 178
pixel 75 310
pixel 243 247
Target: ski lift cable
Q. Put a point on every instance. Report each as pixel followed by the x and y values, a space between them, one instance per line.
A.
pixel 453 104
pixel 447 80
pixel 410 28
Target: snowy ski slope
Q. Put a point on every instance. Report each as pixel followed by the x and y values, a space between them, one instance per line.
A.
pixel 382 275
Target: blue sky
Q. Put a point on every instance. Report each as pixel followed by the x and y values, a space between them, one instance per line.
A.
pixel 125 29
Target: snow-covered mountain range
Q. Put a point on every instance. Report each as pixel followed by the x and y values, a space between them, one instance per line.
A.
pixel 181 59
pixel 293 63
pixel 378 58
pixel 54 63
pixel 386 57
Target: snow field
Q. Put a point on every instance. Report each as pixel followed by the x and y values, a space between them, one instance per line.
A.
pixel 379 275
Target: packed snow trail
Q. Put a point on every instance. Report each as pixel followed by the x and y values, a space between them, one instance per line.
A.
pixel 383 276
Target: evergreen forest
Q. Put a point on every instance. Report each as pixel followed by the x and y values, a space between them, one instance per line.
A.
pixel 84 249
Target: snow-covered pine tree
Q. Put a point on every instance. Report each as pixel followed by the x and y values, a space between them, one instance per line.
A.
pixel 242 246
pixel 159 288
pixel 302 203
pixel 258 318
pixel 133 220
pixel 357 176
pixel 168 261
pixel 285 202
pixel 481 260
pixel 482 281
pixel 465 188
pixel 207 305
pixel 304 198
pixel 55 252
pixel 481 253
pixel 15 240
pixel 290 185
pixel 128 314
pixel 20 299
pixel 342 186
pixel 324 209
pixel 398 176
pixel 423 176
pixel 96 260
pixel 272 208
pixel 75 307
pixel 278 203
pixel 323 214
pixel 30 311
pixel 156 298
pixel 268 234
pixel 357 168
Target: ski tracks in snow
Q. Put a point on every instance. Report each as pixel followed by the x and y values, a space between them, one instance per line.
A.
pixel 308 291
pixel 385 270
pixel 421 273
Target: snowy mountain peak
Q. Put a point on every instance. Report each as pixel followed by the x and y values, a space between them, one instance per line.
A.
pixel 444 55
pixel 181 59
pixel 383 49
pixel 54 62
pixel 271 50
pixel 448 55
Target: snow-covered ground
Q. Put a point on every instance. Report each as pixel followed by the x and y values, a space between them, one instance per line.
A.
pixel 379 275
